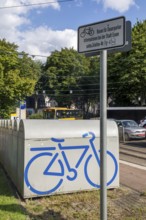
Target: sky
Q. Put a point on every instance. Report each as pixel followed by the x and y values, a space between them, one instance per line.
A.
pixel 38 27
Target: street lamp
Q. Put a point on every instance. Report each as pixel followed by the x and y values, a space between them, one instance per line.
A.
pixel 44 99
pixel 139 100
pixel 36 101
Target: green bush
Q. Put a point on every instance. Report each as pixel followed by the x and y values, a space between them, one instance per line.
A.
pixel 36 116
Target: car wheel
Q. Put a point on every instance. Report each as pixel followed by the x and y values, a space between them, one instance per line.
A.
pixel 144 126
pixel 127 137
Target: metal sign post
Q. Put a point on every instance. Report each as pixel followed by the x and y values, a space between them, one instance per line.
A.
pixel 103 134
pixel 93 39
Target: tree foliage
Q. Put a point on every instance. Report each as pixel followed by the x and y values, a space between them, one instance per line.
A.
pixel 18 77
pixel 63 76
pixel 127 70
pixel 69 77
pixel 67 70
pixel 91 85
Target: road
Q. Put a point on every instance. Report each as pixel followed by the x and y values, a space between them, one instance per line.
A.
pixel 133 165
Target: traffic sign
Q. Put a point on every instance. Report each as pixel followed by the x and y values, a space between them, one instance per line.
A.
pixel 22 105
pixel 103 35
pixel 127 47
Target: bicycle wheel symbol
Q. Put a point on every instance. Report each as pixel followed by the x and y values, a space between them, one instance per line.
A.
pixel 93 178
pixel 54 180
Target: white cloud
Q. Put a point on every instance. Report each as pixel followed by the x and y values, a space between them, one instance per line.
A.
pixel 14 17
pixel 43 40
pixel 38 41
pixel 120 6
pixel 33 4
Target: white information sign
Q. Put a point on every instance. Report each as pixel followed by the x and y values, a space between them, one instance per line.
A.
pixel 101 36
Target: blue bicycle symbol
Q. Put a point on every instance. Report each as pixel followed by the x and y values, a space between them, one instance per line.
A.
pixel 63 164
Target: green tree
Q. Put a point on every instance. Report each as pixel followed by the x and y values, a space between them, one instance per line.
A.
pixel 127 70
pixel 90 84
pixel 18 77
pixel 62 76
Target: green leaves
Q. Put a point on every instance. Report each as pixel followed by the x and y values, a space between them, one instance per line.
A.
pixel 127 71
pixel 18 77
pixel 63 73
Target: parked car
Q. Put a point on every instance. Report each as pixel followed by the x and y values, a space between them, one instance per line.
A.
pixel 131 129
pixel 143 122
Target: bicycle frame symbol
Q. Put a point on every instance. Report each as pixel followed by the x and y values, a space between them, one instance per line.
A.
pixel 64 164
pixel 87 31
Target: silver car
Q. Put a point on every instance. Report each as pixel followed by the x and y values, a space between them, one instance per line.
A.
pixel 131 129
pixel 143 122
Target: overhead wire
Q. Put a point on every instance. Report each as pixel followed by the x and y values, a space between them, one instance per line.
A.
pixel 79 94
pixel 110 90
pixel 46 56
pixel 81 76
pixel 34 4
pixel 71 95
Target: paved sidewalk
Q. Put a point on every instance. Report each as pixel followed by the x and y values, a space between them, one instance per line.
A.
pixel 133 177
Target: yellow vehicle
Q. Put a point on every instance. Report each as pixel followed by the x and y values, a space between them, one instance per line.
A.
pixel 13 116
pixel 62 113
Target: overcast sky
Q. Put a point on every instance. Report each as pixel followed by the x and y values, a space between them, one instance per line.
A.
pixel 49 25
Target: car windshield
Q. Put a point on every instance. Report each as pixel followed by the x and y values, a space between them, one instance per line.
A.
pixel 130 124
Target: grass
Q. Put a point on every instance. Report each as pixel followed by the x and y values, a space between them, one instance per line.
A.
pixel 143 193
pixel 68 206
pixel 123 204
pixel 10 207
